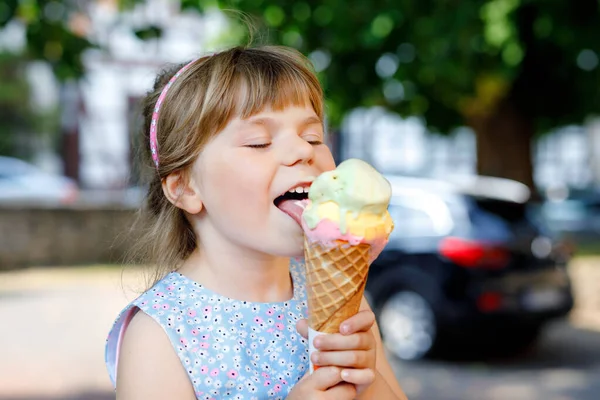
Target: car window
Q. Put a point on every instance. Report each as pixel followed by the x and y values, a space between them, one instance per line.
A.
pixel 420 216
pixel 506 211
pixel 410 222
pixel 498 220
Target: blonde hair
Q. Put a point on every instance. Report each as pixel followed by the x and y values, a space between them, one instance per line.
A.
pixel 201 101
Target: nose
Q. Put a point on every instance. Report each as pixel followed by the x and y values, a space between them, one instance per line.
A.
pixel 298 151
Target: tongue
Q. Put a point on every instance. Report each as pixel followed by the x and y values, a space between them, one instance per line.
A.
pixel 293 208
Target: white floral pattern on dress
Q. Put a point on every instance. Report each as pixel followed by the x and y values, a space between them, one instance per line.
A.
pixel 230 349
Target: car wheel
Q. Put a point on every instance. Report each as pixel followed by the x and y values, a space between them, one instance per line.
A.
pixel 408 326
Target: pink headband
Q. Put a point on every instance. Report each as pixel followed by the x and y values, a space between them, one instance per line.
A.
pixel 161 98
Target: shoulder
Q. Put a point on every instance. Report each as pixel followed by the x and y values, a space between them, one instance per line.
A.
pixel 149 368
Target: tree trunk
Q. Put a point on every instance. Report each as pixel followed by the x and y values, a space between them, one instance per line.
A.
pixel 504 140
pixel 71 104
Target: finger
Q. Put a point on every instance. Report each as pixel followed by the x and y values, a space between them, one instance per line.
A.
pixel 341 391
pixel 326 377
pixel 336 341
pixel 364 376
pixel 361 322
pixel 302 328
pixel 304 377
pixel 350 359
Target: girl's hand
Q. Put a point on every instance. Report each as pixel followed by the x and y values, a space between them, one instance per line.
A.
pixel 324 384
pixel 353 349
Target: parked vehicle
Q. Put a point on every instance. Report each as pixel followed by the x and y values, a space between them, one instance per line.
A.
pixel 465 263
pixel 575 216
pixel 22 182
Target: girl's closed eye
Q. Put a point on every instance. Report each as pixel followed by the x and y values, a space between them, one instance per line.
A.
pixel 259 145
pixel 254 141
pixel 314 138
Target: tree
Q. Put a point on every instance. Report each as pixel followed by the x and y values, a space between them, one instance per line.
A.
pixel 15 110
pixel 510 69
pixel 53 34
pixel 52 31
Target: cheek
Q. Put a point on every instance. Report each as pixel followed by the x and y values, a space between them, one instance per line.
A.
pixel 234 186
pixel 324 159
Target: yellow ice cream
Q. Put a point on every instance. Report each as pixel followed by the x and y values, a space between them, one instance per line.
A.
pixel 355 197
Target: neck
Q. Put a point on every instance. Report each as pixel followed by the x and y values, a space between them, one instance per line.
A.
pixel 240 273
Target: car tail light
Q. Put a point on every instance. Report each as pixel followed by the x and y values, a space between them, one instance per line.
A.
pixel 489 301
pixel 474 254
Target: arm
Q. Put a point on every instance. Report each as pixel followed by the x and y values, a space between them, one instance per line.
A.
pixel 148 366
pixel 385 385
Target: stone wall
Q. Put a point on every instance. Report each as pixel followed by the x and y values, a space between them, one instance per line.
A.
pixel 44 236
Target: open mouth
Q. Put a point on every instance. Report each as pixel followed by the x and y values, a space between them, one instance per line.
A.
pixel 299 193
pixel 293 202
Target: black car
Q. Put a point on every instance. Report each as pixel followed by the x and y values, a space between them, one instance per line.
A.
pixel 465 263
pixel 576 216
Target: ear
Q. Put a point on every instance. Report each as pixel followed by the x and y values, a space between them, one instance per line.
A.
pixel 182 192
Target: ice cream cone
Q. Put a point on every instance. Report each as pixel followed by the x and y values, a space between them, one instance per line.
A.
pixel 336 279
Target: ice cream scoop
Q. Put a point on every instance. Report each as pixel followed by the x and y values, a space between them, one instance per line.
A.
pixel 349 204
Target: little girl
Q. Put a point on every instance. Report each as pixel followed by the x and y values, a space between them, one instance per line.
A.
pixel 231 138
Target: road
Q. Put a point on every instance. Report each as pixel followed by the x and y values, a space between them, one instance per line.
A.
pixel 54 322
pixel 565 366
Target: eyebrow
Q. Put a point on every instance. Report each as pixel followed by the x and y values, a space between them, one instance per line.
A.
pixel 312 120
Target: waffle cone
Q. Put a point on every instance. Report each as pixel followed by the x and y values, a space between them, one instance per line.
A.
pixel 336 278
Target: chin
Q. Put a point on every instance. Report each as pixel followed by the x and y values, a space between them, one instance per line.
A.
pixel 289 241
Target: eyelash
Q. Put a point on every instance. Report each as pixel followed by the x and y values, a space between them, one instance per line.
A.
pixel 265 145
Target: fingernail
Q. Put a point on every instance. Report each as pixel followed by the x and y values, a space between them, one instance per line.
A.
pixel 345 374
pixel 317 343
pixel 345 329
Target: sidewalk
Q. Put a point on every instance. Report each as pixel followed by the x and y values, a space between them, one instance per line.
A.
pixel 585 274
pixel 54 324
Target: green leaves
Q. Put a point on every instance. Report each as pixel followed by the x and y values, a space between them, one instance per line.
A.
pixel 15 108
pixel 301 11
pixel 382 25
pixel 274 15
pixel 498 27
pixel 8 10
pixel 53 42
pixel 451 59
pixel 428 57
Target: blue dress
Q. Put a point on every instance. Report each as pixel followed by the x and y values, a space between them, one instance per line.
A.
pixel 230 349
